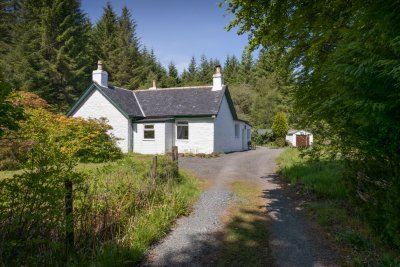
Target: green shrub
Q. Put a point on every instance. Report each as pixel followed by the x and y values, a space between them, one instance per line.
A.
pixel 375 189
pixel 280 125
pixel 280 142
pixel 261 139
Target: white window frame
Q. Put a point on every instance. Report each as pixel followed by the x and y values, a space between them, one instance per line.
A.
pixel 237 130
pixel 182 123
pixel 149 130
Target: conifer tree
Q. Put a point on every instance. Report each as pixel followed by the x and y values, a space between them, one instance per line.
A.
pixel 125 59
pixel 192 72
pixel 173 78
pixel 205 70
pixel 245 73
pixel 231 69
pixel 51 54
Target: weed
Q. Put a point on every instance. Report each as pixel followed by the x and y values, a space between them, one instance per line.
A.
pixel 119 212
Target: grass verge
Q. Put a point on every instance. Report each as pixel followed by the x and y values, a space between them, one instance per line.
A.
pixel 118 211
pixel 245 239
pixel 326 200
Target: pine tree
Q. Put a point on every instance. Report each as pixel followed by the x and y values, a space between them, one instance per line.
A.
pixel 245 73
pixel 104 35
pixel 205 70
pixel 173 78
pixel 192 73
pixel 125 59
pixel 231 70
pixel 52 55
pixel 8 18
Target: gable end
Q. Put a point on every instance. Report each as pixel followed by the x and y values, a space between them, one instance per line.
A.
pixel 85 96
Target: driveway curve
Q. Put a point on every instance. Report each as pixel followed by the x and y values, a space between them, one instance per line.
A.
pixel 195 239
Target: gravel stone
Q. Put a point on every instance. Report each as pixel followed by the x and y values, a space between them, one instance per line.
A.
pixel 195 239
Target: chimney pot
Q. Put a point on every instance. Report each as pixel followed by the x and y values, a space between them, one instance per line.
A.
pixel 218 69
pixel 99 65
pixel 218 79
pixel 154 85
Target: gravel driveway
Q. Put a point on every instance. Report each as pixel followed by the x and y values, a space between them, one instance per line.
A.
pixel 195 239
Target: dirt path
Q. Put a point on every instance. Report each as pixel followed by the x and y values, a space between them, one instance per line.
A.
pixel 194 241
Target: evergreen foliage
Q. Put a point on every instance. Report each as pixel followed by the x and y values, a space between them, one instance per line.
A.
pixel 280 125
pixel 118 47
pixel 51 53
pixel 347 59
pixel 10 115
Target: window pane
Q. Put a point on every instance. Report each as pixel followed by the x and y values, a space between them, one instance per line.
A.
pixel 182 132
pixel 149 134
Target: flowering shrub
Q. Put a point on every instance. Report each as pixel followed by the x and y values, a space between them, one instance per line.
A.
pixel 85 140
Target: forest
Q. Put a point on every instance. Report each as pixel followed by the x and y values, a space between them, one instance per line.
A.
pixel 51 49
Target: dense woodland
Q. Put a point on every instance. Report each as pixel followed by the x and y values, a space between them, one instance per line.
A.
pixel 346 55
pixel 50 48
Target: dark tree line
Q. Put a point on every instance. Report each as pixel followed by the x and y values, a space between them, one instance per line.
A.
pixel 50 48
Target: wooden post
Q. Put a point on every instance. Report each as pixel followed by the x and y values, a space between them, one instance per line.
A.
pixel 153 170
pixel 69 217
pixel 175 158
pixel 174 153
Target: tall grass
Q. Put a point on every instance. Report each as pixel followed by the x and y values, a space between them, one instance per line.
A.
pixel 118 212
pixel 333 209
pixel 324 177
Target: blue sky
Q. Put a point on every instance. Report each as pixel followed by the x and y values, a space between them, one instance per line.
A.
pixel 177 29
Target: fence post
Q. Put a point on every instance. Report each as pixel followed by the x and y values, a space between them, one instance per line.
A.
pixel 69 216
pixel 153 170
pixel 175 157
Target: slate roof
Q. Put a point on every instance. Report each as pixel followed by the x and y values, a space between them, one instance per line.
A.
pixel 163 102
pixel 124 99
pixel 180 102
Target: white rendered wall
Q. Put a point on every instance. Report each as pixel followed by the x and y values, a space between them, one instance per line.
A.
pixel 143 146
pixel 224 133
pixel 201 136
pixel 291 139
pixel 97 106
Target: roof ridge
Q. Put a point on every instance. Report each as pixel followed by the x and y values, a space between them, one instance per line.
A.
pixel 177 88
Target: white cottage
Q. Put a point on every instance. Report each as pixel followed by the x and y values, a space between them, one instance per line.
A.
pixel 196 119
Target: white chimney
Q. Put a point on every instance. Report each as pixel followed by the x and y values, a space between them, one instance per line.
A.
pixel 100 76
pixel 154 85
pixel 218 79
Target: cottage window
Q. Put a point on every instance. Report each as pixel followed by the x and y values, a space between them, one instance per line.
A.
pixel 237 132
pixel 182 130
pixel 148 131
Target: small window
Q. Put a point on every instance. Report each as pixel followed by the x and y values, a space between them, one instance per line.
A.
pixel 148 132
pixel 182 130
pixel 237 131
